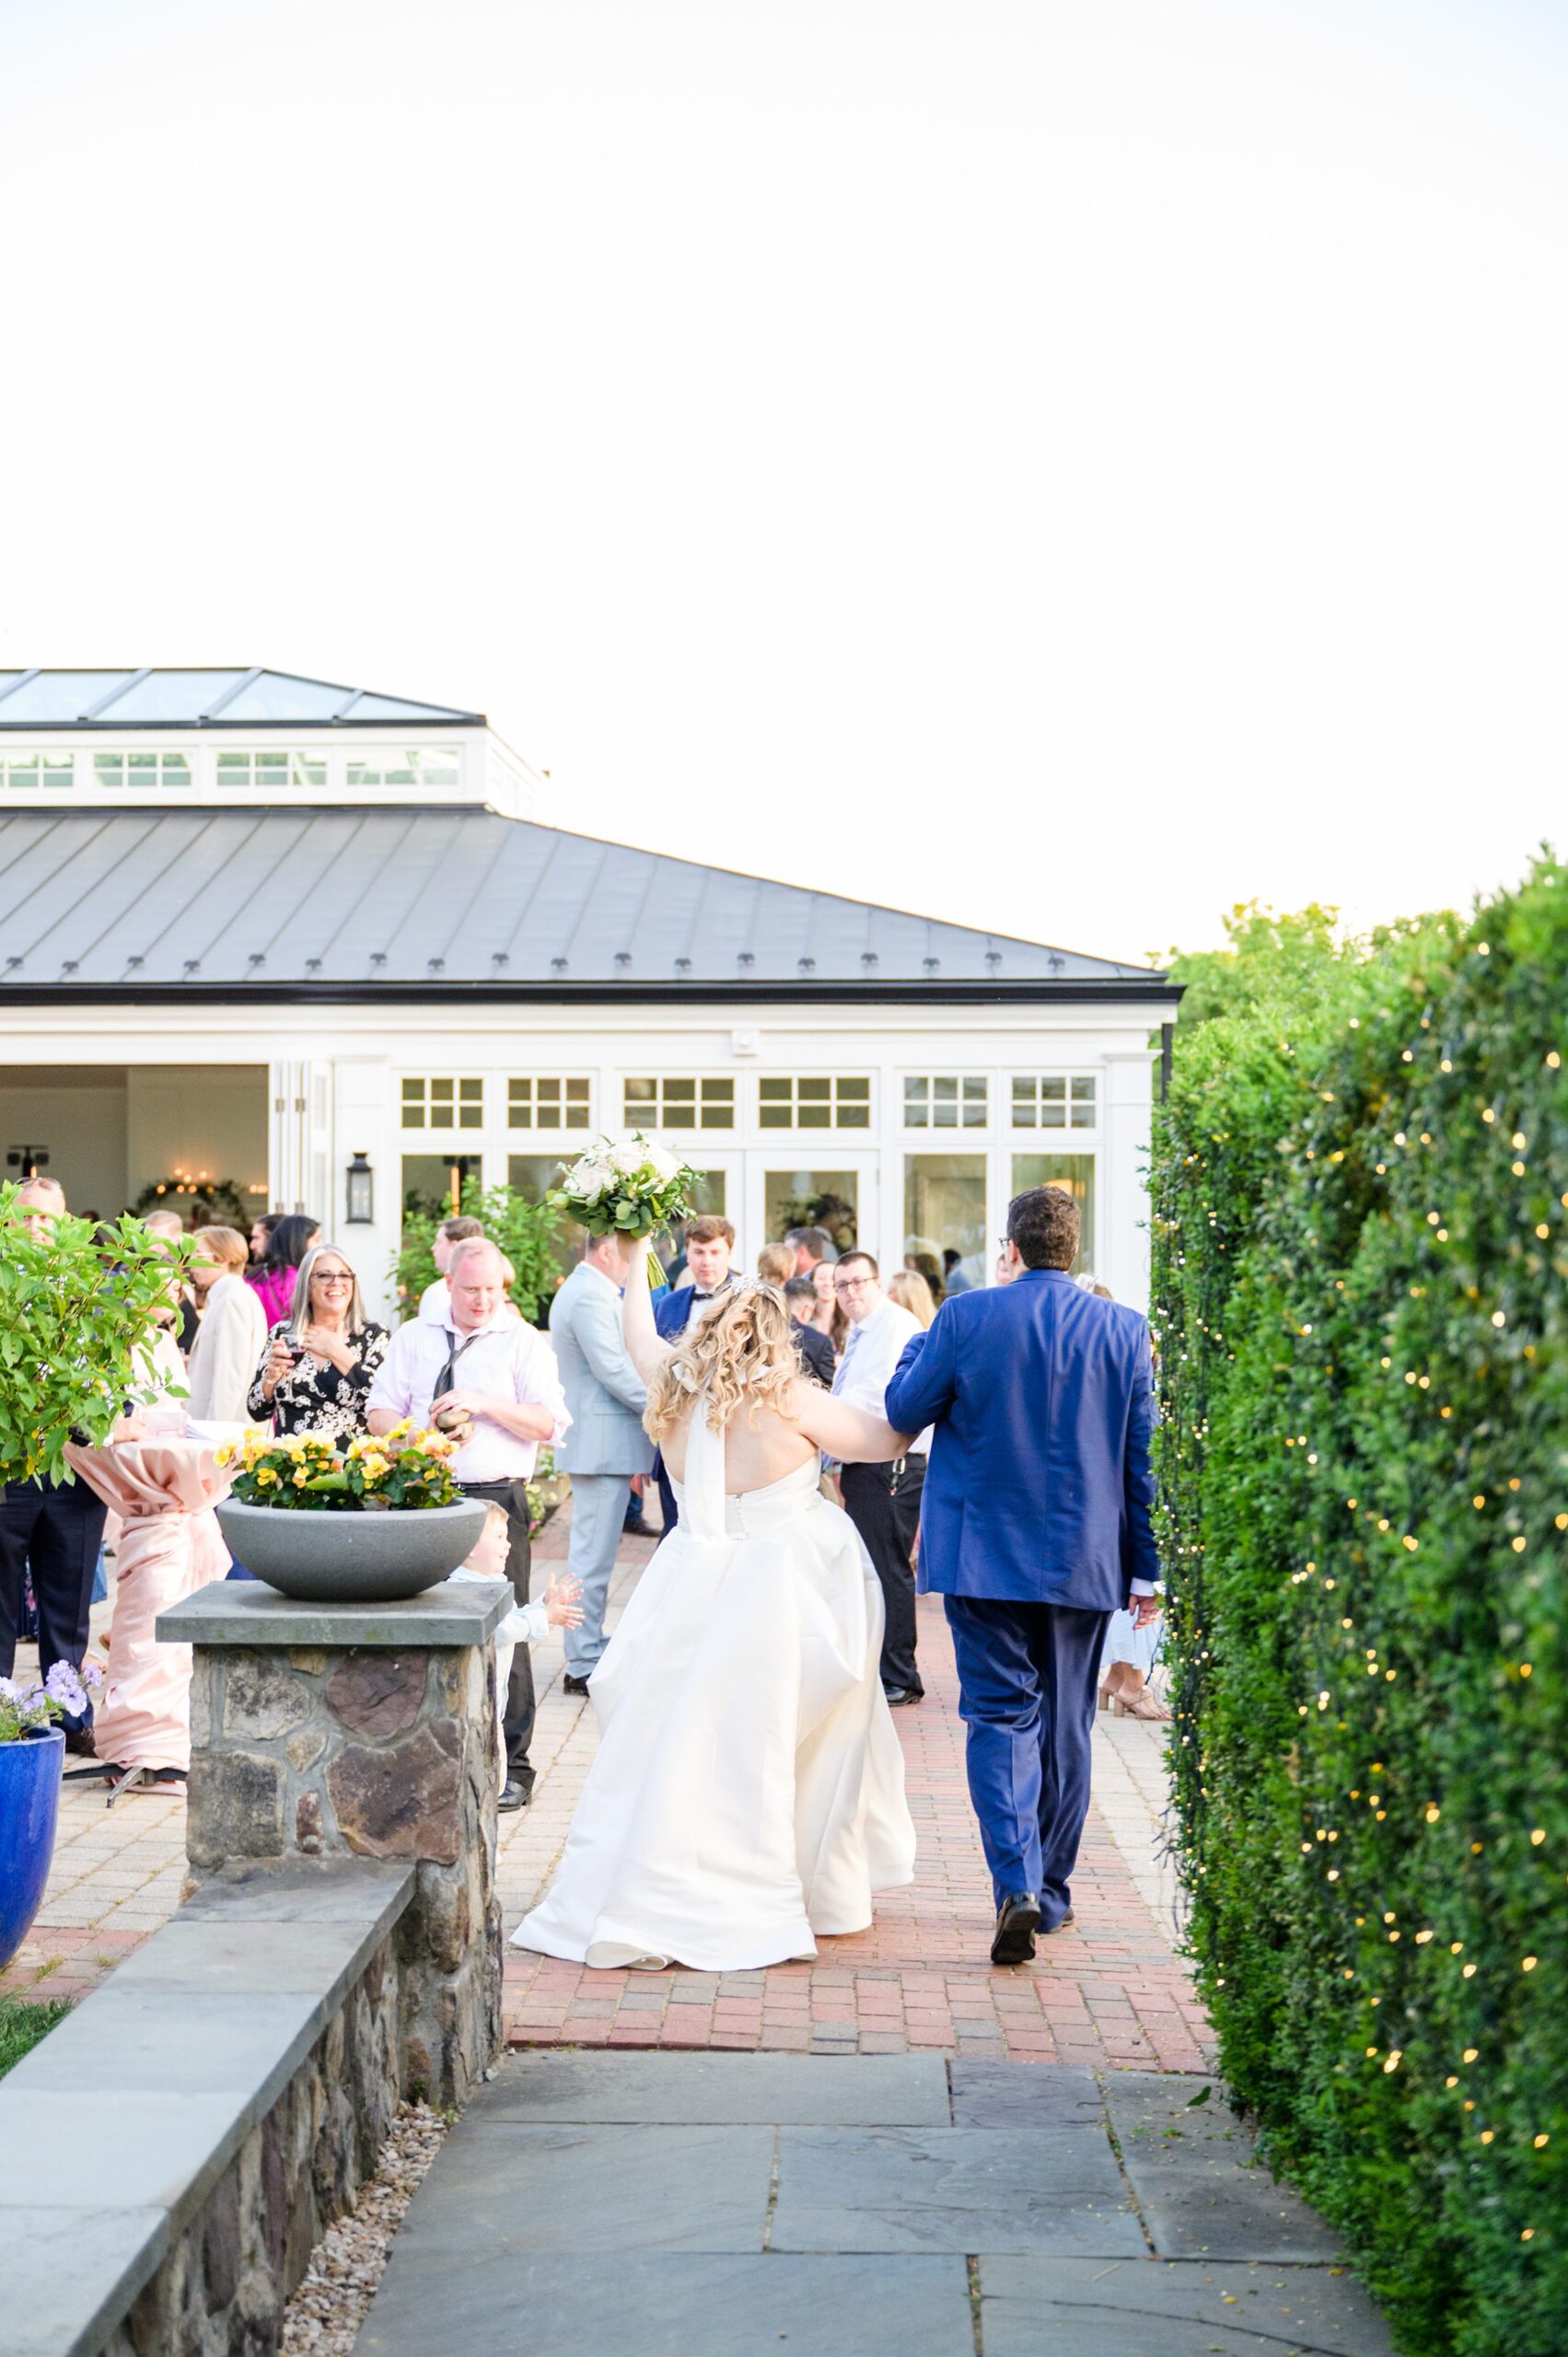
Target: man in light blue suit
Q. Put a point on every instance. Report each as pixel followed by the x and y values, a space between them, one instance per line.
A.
pixel 606 1444
pixel 1035 1525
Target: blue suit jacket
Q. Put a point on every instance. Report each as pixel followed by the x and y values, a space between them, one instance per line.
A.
pixel 673 1308
pixel 1039 1487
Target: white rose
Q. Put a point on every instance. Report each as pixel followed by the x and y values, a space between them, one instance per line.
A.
pixel 665 1164
pixel 627 1157
pixel 590 1181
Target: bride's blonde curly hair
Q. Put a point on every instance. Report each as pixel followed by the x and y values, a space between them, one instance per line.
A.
pixel 743 1348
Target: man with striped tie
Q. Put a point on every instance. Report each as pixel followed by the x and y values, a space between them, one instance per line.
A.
pixel 882 1501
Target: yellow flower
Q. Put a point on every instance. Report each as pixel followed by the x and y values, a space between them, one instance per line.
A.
pixel 266 1479
pixel 359 1447
pixel 224 1456
pixel 301 1478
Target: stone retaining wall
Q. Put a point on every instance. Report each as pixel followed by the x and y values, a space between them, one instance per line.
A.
pixel 224 2284
pixel 313 1751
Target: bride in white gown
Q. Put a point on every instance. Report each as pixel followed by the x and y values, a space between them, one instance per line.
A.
pixel 747 1793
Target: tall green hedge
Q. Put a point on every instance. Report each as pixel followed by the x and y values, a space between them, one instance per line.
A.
pixel 1360 1201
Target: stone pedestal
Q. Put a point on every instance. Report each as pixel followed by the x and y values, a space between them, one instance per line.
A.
pixel 368 1731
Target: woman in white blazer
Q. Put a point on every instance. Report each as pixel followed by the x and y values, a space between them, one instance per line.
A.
pixel 232 1334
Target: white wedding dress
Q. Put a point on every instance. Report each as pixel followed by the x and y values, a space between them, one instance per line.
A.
pixel 747 1791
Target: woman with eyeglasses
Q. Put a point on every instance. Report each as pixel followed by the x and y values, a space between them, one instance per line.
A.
pixel 321 1359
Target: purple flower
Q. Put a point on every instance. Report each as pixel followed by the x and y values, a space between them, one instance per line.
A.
pixel 63 1686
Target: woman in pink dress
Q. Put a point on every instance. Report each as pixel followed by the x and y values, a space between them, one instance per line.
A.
pixel 291 1240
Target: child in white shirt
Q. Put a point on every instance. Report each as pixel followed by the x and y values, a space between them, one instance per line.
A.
pixel 525 1624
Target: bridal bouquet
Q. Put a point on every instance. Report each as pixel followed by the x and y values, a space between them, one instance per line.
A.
pixel 626 1185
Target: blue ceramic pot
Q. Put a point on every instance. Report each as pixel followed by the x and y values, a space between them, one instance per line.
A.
pixel 29 1805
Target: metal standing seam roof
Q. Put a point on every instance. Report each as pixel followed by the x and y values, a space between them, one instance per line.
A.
pixel 380 901
pixel 207 699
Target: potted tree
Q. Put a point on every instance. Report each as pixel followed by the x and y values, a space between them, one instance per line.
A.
pixel 79 1307
pixel 380 1519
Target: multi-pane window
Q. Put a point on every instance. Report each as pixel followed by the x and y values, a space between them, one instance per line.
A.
pixel 421 765
pixel 141 769
pixel 1054 1101
pixel 946 1101
pixel 442 1104
pixel 812 1104
pixel 547 1104
pixel 29 771
pixel 678 1104
pixel 273 769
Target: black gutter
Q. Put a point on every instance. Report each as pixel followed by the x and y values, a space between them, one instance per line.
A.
pixel 1153 991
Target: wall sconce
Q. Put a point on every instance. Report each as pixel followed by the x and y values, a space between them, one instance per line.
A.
pixel 361 1209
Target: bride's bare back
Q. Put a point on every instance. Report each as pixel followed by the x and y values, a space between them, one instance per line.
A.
pixel 759 1448
pixel 760 1444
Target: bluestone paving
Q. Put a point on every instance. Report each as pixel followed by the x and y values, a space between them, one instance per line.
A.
pixel 201 2045
pixel 1068 2307
pixel 964 2189
pixel 66 2273
pixel 295 1890
pixel 997 2094
pixel 198 1956
pixel 892 2090
pixel 509 2185
pixel 247 1612
pixel 153 2149
pixel 1198 2183
pixel 646 2305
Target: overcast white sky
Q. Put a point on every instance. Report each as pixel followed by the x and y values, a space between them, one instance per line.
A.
pixel 1065 468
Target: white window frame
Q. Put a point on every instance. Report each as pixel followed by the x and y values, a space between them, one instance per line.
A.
pixel 537 1129
pixel 833 1127
pixel 1071 1076
pixel 45 759
pixel 379 758
pixel 986 1076
pixel 296 756
pixel 654 1118
pixel 475 1129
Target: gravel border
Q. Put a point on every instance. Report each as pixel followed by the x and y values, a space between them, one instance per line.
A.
pixel 325 2314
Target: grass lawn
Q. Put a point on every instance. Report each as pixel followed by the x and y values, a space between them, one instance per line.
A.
pixel 22 2025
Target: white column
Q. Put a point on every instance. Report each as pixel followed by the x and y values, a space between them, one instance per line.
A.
pixel 366 1121
pixel 288 1085
pixel 1124 1158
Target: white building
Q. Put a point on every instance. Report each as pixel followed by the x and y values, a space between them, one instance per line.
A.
pixel 265 929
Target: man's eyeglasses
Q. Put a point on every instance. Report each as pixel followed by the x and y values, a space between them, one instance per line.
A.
pixel 850 1284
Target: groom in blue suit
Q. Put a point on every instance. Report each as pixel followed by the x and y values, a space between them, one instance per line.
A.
pixel 1035 1527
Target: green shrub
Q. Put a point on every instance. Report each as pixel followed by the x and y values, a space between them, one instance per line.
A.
pixel 1360 1201
pixel 526 1232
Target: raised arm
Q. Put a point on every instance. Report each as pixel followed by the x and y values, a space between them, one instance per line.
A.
pixel 599 1338
pixel 851 1434
pixel 645 1346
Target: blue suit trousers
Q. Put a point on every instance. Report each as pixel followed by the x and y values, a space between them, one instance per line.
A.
pixel 1026 1679
pixel 598 1510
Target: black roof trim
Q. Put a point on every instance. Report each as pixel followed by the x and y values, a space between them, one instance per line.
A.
pixel 1151 990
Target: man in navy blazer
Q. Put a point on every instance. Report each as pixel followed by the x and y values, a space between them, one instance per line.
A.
pixel 709 1244
pixel 1035 1527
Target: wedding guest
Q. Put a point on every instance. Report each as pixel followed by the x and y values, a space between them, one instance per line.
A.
pixel 924 1263
pixel 525 1624
pixel 775 1265
pixel 293 1236
pixel 492 1380
pixel 232 1335
pixel 607 1444
pixel 321 1360
pixel 829 1318
pixel 909 1290
pixel 53 1527
pixel 810 1246
pixel 261 1228
pixel 169 1227
pixel 882 1501
pixel 708 1247
pixel 816 1350
pixel 435 1301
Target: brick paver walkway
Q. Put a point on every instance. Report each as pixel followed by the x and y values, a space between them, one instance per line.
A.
pixel 1107 1992
pixel 1110 1990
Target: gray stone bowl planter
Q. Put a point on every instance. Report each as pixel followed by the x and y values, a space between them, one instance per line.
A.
pixel 366 1557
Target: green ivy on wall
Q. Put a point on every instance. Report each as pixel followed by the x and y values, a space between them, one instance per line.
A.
pixel 1360 1191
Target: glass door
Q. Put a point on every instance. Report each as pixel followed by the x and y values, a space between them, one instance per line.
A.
pixel 812 1186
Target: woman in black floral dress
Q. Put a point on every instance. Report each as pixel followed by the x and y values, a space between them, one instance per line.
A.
pixel 320 1361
